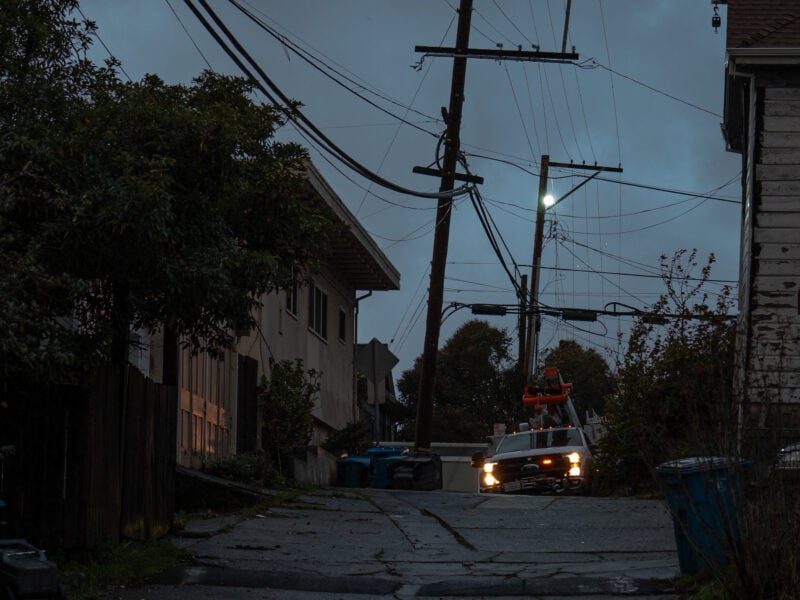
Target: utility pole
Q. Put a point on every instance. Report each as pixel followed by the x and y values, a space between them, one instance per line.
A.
pixel 523 310
pixel 460 53
pixel 534 318
pixel 534 315
pixel 452 142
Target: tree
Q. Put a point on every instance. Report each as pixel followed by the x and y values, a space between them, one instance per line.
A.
pixel 587 370
pixel 477 384
pixel 674 395
pixel 134 205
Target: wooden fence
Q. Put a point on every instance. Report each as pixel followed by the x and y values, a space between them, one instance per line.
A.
pixel 90 466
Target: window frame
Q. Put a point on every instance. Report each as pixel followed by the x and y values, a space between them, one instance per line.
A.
pixel 342 325
pixel 318 311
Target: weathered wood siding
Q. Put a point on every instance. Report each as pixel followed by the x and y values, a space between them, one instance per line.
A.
pixel 771 262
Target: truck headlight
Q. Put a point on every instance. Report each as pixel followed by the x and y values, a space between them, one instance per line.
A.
pixel 574 459
pixel 488 467
pixel 489 480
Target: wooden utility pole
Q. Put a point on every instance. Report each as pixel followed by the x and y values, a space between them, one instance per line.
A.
pixel 460 53
pixel 424 422
pixel 534 316
pixel 523 310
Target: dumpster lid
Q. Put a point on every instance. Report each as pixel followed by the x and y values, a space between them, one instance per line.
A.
pixel 693 464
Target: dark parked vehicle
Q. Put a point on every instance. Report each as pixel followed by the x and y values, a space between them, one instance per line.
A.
pixel 557 460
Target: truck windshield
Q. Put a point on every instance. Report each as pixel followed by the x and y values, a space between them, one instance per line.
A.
pixel 559 437
pixel 548 438
pixel 514 443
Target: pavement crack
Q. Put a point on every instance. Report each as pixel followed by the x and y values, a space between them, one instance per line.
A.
pixel 456 535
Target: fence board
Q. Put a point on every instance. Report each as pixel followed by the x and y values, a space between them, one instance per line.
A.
pixel 69 483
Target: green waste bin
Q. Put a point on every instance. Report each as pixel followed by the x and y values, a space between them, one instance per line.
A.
pixel 703 494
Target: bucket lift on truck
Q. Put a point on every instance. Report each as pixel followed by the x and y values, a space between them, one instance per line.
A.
pixel 552 403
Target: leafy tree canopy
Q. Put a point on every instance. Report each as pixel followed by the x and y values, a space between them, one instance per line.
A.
pixel 477 385
pixel 587 370
pixel 135 204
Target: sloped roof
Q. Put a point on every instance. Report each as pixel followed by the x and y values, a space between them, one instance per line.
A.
pixel 763 24
pixel 354 254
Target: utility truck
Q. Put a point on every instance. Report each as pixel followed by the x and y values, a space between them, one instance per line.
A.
pixel 550 452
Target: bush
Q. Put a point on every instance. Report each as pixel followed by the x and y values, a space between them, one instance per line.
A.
pixel 286 400
pixel 674 396
pixel 249 468
pixel 766 562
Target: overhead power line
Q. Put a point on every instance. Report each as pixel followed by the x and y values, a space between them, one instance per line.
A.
pixel 312 61
pixel 290 109
pixel 593 63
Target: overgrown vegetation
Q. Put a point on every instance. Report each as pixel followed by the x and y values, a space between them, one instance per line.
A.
pixel 675 400
pixel 286 399
pixel 352 439
pixel 766 562
pixel 254 469
pixel 129 563
pixel 674 384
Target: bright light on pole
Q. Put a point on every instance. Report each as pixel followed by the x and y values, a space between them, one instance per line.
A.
pixel 549 200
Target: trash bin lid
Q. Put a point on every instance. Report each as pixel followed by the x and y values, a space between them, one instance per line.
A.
pixel 364 460
pixel 693 464
pixel 387 450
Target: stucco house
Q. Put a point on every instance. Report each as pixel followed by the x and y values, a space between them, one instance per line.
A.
pixel 762 123
pixel 317 323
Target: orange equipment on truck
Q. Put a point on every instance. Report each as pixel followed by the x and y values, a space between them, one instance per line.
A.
pixel 554 396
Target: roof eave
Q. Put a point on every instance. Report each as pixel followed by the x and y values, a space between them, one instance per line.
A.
pixel 389 275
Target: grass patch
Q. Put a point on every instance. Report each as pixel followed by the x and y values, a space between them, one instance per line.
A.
pixel 128 563
pixel 88 574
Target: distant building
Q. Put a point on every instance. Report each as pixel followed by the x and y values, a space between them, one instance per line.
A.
pixel 762 123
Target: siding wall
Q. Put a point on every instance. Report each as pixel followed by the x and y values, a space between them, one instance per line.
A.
pixel 771 262
pixel 290 337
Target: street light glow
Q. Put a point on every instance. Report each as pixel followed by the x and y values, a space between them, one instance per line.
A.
pixel 549 200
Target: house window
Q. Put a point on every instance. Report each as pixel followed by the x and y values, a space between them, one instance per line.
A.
pixel 342 325
pixel 318 312
pixel 291 298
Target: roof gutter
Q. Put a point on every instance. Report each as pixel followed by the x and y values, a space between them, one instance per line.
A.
pixel 762 56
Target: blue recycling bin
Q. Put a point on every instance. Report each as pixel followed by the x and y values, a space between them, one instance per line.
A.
pixel 703 495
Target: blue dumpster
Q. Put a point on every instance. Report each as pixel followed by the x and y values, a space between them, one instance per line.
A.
pixel 352 471
pixel 702 494
pixel 381 458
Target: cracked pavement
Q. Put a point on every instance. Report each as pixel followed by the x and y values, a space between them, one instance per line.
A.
pixel 369 543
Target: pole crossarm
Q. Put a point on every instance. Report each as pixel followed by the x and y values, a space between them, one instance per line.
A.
pixel 499 54
pixel 458 176
pixel 594 167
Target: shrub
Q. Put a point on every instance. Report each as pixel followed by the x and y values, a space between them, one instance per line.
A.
pixel 250 469
pixel 286 400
